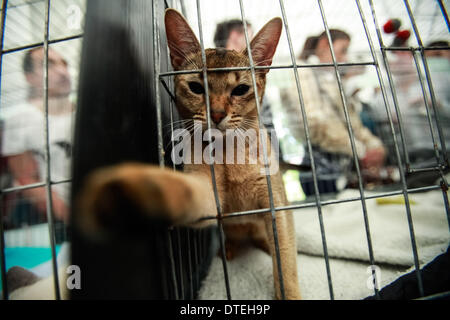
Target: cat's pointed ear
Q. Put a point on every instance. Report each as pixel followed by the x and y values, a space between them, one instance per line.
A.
pixel 265 43
pixel 180 38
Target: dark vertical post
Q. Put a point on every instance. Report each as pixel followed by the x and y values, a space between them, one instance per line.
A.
pixel 116 122
pixel 120 118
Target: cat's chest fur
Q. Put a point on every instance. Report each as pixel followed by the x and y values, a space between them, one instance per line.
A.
pixel 240 187
pixel 242 184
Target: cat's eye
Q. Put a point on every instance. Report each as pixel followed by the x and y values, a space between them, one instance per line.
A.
pixel 240 90
pixel 196 87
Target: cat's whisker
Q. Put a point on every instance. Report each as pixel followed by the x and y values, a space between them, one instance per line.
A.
pixel 189 126
pixel 191 129
pixel 169 145
pixel 181 120
pixel 184 127
pixel 200 119
pixel 241 137
pixel 176 125
pixel 177 122
pixel 196 126
pixel 249 123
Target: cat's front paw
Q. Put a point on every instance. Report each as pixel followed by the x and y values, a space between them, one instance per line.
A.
pixel 128 196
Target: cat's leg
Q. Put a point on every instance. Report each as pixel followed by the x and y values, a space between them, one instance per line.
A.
pixel 259 236
pixel 287 248
pixel 288 254
pixel 238 235
pixel 110 195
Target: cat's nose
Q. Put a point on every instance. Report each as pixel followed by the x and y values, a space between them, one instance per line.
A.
pixel 217 117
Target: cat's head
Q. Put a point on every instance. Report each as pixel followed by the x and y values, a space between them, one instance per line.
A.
pixel 231 93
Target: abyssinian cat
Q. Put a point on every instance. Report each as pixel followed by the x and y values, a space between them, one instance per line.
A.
pixel 185 197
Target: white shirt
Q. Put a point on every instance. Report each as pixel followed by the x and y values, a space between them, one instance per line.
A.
pixel 24 130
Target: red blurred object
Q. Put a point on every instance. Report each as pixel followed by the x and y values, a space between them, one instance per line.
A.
pixel 403 34
pixel 401 37
pixel 392 25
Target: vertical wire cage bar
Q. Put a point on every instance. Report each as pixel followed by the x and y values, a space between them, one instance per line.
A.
pixel 169 246
pixel 196 259
pixel 180 284
pixel 189 265
pixel 181 294
pixel 213 175
pixel 309 146
pixel 265 156
pixel 157 70
pixel 400 166
pixel 444 13
pixel 352 143
pixel 180 269
pixel 2 231
pixel 48 186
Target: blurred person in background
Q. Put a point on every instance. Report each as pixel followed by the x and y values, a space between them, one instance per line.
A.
pixel 329 135
pixel 23 140
pixel 230 35
pixel 413 110
pixel 439 64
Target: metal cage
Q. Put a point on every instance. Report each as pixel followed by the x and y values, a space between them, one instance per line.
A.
pixel 170 263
